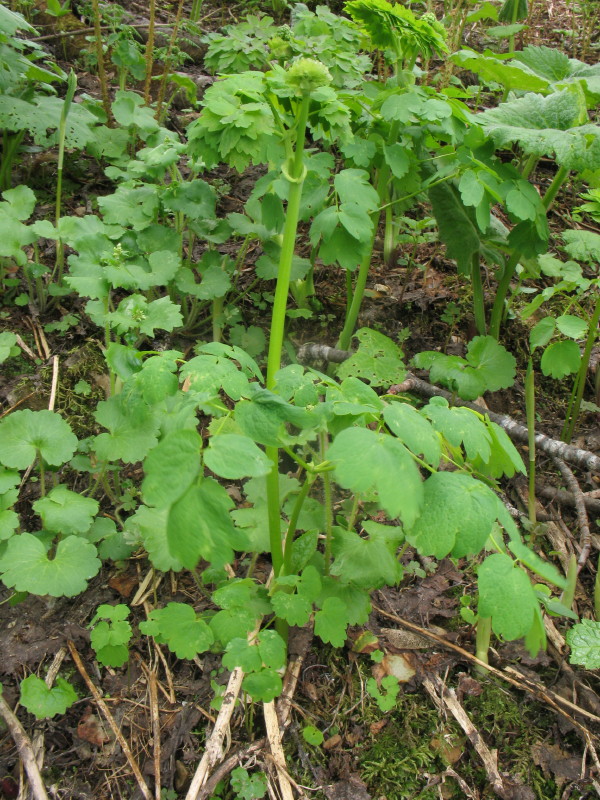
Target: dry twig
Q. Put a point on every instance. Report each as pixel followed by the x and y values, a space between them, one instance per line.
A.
pixel 111 721
pixel 541 693
pixel 25 749
pixel 582 517
pixel 443 696
pixel 274 737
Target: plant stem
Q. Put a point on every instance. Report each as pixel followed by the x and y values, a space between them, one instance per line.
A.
pixel 101 69
pixel 42 474
pixel 163 80
pixel 150 51
pixel 478 299
pixel 575 402
pixel 62 132
pixel 568 594
pixel 530 413
pixel 482 645
pixel 289 538
pixel 295 177
pixel 328 504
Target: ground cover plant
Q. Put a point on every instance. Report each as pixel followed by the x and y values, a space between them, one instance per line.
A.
pixel 298 497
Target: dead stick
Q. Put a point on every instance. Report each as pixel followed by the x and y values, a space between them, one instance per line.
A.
pixel 443 696
pixel 214 746
pixel 582 517
pixel 525 685
pixel 274 737
pixel 111 721
pixel 78 31
pixel 155 732
pixel 25 749
pixel 591 499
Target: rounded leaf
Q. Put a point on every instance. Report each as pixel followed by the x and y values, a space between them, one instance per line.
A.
pixel 25 433
pixel 27 568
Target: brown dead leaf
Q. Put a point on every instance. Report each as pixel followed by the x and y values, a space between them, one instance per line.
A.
pixel 468 686
pixel 124 583
pixel 377 727
pixel 350 789
pixel 332 742
pixel 556 763
pixel 91 729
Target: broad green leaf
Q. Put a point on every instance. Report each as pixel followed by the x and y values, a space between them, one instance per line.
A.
pixel 504 458
pixel 293 608
pixel 63 511
pixel 458 515
pixel 460 426
pixel 560 359
pixel 397 158
pixel 370 562
pixel 378 360
pixel 582 245
pixel 506 595
pixel 25 433
pixel 231 456
pixel 111 634
pixel 8 343
pixel 556 66
pixel 366 461
pixel 414 431
pixel 584 641
pixel 331 622
pixel 572 326
pixel 180 629
pixel 544 569
pixel 495 365
pixel 354 188
pixel 546 126
pixel 149 525
pixel 133 428
pixel 263 686
pixel 455 227
pixel 246 786
pixel 542 332
pixel 26 567
pixel 240 653
pixel 170 467
pixel 46 702
pixel 199 526
pixel 492 70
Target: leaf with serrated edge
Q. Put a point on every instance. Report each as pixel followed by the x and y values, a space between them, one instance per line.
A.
pixel 366 461
pixel 506 595
pixel 177 625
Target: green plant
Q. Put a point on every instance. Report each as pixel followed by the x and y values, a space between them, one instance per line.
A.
pixel 46 702
pixel 111 634
pixel 591 207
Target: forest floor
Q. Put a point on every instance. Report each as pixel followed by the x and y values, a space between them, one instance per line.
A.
pixel 451 733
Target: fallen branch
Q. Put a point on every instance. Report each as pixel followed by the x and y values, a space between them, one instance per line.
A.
pixel 592 503
pixel 25 749
pixel 582 517
pixel 274 737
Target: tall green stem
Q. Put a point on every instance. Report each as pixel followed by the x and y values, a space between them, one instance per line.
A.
pixel 295 174
pixel 478 299
pixel 575 402
pixel 149 57
pixel 482 645
pixel 363 270
pixel 530 412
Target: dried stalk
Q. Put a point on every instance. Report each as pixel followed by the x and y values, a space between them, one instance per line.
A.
pixel 25 748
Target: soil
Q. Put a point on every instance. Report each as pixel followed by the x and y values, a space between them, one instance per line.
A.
pixel 164 706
